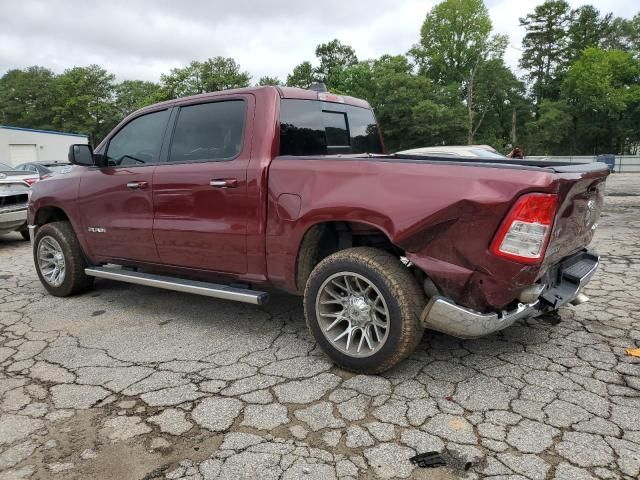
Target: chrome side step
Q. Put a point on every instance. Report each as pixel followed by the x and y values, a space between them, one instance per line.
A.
pixel 180 285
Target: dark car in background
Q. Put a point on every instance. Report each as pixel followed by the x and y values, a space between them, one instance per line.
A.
pixel 45 169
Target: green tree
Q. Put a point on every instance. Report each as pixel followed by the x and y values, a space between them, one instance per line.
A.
pixel 302 76
pixel 27 98
pixel 455 44
pixel 275 81
pixel 406 104
pixel 214 74
pixel 633 34
pixel 586 29
pixel 545 46
pixel 603 87
pixel 130 95
pixel 499 100
pixel 624 34
pixel 454 38
pixel 550 133
pixel 85 101
pixel 434 123
pixel 334 57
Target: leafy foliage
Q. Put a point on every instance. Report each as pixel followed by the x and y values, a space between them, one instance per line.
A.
pixel 334 57
pixel 302 76
pixel 454 38
pixel 587 29
pixel 134 94
pixel 545 46
pixel 264 81
pixel 217 73
pixel 86 101
pixel 27 97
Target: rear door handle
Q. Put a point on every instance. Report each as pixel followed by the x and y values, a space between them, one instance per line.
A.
pixel 224 183
pixel 137 185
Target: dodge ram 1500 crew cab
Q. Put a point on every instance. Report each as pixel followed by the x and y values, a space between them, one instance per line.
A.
pixel 289 189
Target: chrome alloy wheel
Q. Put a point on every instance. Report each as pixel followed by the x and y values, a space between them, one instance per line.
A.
pixel 352 314
pixel 51 261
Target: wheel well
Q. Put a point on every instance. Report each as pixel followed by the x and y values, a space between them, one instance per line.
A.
pixel 50 214
pixel 323 239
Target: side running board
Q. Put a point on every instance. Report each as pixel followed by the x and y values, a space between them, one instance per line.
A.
pixel 180 285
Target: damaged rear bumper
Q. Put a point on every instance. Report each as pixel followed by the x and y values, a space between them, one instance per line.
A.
pixel 563 285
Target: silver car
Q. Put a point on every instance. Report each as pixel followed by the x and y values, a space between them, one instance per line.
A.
pixel 15 187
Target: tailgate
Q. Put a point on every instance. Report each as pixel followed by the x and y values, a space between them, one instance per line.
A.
pixel 581 197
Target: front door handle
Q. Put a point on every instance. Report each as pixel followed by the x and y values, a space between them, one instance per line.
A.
pixel 224 183
pixel 137 185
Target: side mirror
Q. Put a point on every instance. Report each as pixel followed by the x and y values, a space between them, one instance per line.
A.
pixel 81 154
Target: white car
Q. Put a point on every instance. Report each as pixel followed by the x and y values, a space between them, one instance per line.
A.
pixel 482 152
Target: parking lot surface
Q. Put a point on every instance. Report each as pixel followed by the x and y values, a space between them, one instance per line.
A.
pixel 128 382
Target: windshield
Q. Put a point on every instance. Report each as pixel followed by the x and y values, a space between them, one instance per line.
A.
pixel 6 168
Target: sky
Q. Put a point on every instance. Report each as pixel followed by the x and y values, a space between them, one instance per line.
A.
pixel 140 39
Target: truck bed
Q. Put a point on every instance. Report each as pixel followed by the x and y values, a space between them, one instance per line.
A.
pixel 442 212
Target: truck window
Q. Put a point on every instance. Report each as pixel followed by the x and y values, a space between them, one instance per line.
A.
pixel 310 127
pixel 208 132
pixel 365 137
pixel 139 141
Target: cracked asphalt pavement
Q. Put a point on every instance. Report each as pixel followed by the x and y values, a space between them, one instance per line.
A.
pixel 128 382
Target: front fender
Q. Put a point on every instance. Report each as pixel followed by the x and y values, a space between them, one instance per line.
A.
pixel 58 194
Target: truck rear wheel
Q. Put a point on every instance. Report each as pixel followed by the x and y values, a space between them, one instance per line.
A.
pixel 59 260
pixel 363 308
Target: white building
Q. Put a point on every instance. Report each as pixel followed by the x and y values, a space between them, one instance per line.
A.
pixel 21 145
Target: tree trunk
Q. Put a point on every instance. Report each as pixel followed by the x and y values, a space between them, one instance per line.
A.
pixel 513 127
pixel 470 130
pixel 470 113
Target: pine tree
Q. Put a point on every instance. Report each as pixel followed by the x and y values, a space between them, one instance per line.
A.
pixel 545 47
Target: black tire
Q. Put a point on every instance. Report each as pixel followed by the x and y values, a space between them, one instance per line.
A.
pixel 398 288
pixel 24 231
pixel 75 281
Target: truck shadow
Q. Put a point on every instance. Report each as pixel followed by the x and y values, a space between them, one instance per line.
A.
pixel 11 239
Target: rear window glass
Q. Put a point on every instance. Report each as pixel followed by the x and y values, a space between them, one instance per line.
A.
pixel 310 127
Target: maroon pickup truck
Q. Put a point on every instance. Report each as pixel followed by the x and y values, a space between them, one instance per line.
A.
pixel 231 194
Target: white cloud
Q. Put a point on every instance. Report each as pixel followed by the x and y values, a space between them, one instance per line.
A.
pixel 142 39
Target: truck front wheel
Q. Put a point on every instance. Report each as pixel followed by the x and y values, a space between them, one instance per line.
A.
pixel 59 260
pixel 363 307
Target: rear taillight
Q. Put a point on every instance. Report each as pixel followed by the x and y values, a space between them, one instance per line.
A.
pixel 30 181
pixel 524 234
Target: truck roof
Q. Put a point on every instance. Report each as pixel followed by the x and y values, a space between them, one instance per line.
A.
pixel 283 92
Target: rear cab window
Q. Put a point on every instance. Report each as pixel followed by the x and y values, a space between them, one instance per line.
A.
pixel 314 127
